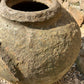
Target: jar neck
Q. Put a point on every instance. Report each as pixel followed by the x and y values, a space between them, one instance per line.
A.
pixel 29 16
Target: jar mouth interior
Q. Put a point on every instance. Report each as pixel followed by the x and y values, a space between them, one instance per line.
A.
pixel 29 6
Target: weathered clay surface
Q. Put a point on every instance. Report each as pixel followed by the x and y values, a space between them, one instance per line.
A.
pixel 82 5
pixel 73 1
pixel 38 51
pixel 77 14
pixel 75 8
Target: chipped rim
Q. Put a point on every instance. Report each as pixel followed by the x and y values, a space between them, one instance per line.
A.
pixel 22 16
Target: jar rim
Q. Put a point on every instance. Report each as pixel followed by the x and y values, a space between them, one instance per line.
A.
pixel 22 16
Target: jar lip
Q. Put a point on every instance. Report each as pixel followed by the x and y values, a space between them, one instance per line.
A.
pixel 23 16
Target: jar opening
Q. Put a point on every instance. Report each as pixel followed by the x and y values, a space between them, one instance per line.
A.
pixel 30 6
pixel 29 10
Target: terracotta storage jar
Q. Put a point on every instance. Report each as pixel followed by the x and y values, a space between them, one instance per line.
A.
pixel 39 41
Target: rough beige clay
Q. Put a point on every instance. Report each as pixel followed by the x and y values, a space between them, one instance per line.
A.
pixel 37 47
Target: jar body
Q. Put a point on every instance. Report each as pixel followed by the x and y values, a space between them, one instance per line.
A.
pixel 38 52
